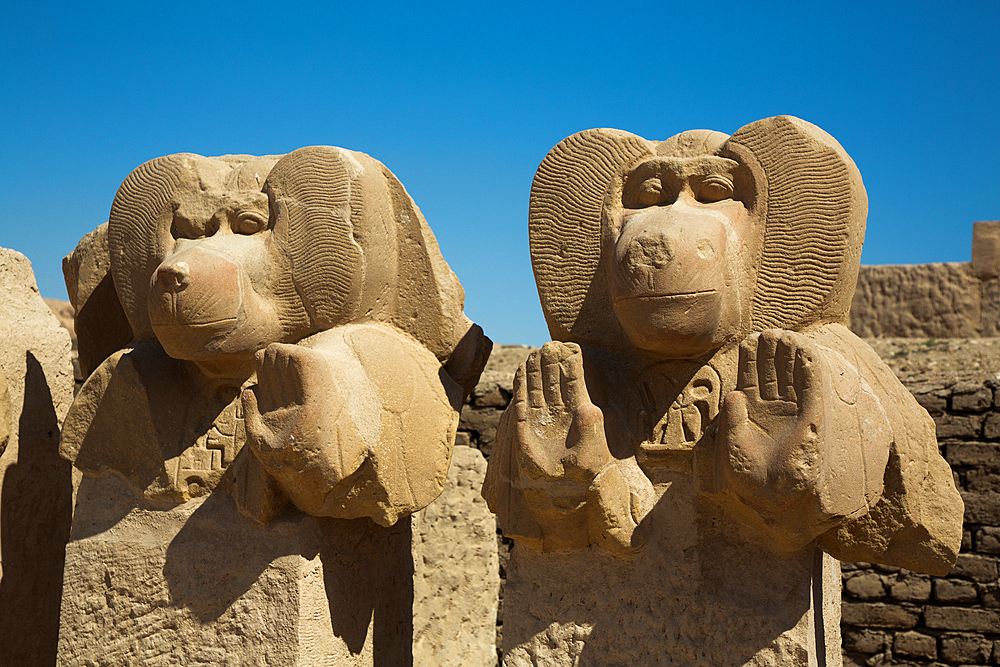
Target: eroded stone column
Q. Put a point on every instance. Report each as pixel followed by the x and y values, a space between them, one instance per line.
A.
pixel 36 496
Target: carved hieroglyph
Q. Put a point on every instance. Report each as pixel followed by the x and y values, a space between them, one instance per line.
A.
pixel 679 464
pixel 296 340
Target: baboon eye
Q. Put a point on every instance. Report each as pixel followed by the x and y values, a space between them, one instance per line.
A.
pixel 715 188
pixel 249 223
pixel 183 228
pixel 649 193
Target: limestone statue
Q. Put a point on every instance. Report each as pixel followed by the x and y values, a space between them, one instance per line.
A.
pixel 296 339
pixel 679 465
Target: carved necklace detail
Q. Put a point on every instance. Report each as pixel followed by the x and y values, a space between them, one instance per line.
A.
pixel 671 405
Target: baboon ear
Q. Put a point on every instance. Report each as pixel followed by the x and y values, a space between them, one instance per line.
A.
pixel 138 226
pixel 312 196
pixel 813 206
pixel 564 228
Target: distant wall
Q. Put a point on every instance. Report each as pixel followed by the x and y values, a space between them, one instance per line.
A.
pixel 944 300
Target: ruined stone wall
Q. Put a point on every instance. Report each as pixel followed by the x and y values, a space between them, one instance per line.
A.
pixel 890 616
pixel 941 300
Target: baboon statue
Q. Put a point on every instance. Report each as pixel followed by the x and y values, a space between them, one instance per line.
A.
pixel 679 464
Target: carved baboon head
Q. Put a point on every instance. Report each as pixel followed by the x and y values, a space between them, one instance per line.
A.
pixel 694 242
pixel 217 257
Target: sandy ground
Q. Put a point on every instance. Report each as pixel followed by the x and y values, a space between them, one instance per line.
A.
pixel 955 357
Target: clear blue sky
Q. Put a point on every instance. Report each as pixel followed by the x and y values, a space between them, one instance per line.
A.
pixel 462 101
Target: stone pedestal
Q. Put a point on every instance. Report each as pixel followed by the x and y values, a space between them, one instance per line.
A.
pixel 202 584
pixel 35 502
pixel 702 593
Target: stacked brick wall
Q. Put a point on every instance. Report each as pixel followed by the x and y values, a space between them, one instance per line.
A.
pixel 895 617
pixel 890 616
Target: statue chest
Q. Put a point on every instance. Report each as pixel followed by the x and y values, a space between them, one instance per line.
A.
pixel 669 407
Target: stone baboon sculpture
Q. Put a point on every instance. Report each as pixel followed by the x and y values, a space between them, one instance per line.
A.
pixel 703 430
pixel 298 304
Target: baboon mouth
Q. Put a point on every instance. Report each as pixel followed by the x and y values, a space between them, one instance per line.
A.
pixel 205 324
pixel 679 296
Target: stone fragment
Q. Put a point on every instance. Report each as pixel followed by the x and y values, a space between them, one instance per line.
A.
pixel 986 249
pixel 35 393
pixel 878 615
pixel 991 426
pixel 958 426
pixel 868 586
pixel 851 567
pixel 986 455
pixel 989 594
pixel 983 480
pixel 988 540
pixel 933 402
pixel 297 305
pixel 494 390
pixel 702 423
pixel 482 422
pixel 911 588
pixel 966 649
pixel 971 397
pixel 962 619
pixel 864 640
pixel 915 644
pixel 955 591
pixel 981 507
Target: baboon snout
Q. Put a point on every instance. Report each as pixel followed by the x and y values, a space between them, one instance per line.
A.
pixel 651 250
pixel 173 277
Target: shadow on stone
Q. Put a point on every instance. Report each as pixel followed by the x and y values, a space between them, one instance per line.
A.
pixel 36 514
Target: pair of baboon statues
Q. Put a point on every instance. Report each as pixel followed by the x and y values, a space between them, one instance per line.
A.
pixel 677 466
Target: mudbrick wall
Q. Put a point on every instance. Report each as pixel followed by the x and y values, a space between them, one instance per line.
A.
pixel 890 616
pixel 941 300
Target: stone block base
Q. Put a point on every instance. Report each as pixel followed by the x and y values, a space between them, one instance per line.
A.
pixel 200 584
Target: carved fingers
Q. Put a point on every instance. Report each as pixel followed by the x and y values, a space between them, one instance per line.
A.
pixel 562 487
pixel 291 412
pixel 788 437
pixel 560 432
pixel 776 411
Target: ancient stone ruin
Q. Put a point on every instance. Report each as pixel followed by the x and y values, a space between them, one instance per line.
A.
pixel 35 484
pixel 286 400
pixel 669 542
pixel 679 465
pixel 940 300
